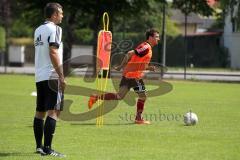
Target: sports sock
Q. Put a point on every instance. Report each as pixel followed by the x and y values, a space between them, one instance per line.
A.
pixel 49 129
pixel 140 108
pixel 38 131
pixel 109 96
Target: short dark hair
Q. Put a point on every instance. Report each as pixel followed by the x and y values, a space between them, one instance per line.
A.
pixel 150 32
pixel 51 8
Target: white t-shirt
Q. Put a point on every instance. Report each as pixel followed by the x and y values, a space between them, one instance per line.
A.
pixel 48 34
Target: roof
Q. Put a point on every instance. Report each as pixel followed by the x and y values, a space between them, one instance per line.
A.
pixel 205 34
pixel 207 23
pixel 178 17
pixel 203 22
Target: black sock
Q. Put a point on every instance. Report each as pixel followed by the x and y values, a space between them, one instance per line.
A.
pixel 49 129
pixel 38 131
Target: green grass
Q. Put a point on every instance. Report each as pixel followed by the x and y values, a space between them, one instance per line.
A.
pixel 216 137
pixel 196 69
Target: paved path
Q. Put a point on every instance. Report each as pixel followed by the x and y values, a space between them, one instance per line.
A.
pixel 191 75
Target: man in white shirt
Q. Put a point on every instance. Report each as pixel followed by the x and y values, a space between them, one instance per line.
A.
pixel 49 78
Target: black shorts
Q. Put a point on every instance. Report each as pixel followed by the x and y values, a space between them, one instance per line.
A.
pixel 137 85
pixel 49 97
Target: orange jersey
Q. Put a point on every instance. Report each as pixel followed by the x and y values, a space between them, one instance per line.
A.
pixel 138 62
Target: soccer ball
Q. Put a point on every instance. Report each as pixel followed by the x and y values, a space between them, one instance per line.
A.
pixel 190 119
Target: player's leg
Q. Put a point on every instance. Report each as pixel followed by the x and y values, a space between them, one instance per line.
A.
pixel 49 130
pixel 140 90
pixel 108 96
pixel 123 90
pixel 140 106
pixel 54 106
pixel 38 126
pixel 38 122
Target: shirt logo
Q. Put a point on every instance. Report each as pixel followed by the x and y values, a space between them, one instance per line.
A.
pixel 142 48
pixel 38 41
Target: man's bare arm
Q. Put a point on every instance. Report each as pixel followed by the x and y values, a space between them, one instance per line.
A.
pixel 150 68
pixel 57 65
pixel 125 60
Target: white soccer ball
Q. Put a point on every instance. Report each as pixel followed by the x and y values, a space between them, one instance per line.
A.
pixel 190 119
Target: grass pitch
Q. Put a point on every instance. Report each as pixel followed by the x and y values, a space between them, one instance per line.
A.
pixel 216 137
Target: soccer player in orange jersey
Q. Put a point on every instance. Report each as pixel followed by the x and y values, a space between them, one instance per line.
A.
pixel 134 64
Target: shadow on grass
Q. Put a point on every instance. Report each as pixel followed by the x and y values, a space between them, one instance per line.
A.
pixel 11 154
pixel 107 124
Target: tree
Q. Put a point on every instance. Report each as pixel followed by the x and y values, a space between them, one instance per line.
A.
pixel 231 7
pixel 235 13
pixel 5 15
pixel 193 6
pixel 152 18
pixel 84 13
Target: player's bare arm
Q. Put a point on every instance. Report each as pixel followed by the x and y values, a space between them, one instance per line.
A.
pixel 150 68
pixel 57 65
pixel 125 60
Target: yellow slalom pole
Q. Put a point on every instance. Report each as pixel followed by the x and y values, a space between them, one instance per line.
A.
pixel 98 82
pixel 98 102
pixel 101 108
pixel 105 21
pixel 102 83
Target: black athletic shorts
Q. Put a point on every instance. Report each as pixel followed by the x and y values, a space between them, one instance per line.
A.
pixel 49 97
pixel 136 84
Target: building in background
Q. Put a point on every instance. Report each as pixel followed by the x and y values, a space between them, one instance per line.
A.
pixel 195 23
pixel 232 35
